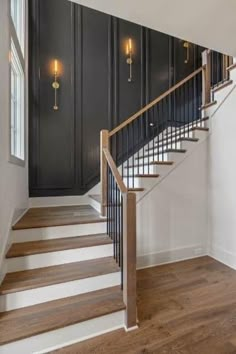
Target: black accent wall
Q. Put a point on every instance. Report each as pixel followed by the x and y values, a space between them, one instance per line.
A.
pixel 94 90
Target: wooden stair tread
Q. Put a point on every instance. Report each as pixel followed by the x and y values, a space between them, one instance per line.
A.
pixel 181 151
pixel 200 128
pixel 222 85
pixel 194 140
pixel 162 163
pixel 36 319
pixel 208 105
pixel 145 175
pixel 46 246
pixel 40 277
pixel 58 216
pixel 231 67
pixel 136 189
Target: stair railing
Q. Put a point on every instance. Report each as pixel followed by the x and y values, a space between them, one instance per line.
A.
pixel 121 227
pixel 219 63
pixel 133 148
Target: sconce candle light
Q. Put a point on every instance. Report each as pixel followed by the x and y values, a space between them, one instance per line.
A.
pixel 55 84
pixel 129 59
pixel 186 45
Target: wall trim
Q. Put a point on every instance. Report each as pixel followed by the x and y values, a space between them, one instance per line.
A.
pixel 223 256
pixel 14 217
pixel 170 256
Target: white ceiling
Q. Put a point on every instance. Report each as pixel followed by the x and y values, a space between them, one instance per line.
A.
pixel 210 23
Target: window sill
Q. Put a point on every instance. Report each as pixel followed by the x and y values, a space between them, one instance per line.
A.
pixel 16 161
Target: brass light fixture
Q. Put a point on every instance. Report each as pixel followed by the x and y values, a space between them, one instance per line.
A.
pixel 129 60
pixel 55 85
pixel 186 45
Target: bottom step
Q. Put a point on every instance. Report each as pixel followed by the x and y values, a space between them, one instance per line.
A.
pixel 31 322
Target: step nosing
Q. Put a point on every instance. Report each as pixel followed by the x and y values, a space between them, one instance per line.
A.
pixel 35 278
pixel 12 253
pixel 94 221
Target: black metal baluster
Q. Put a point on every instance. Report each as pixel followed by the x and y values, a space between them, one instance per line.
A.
pixel 153 135
pixel 116 221
pixel 139 145
pixel 132 151
pixel 143 137
pixel 127 155
pixel 158 131
pixel 188 106
pixel 121 244
pixel 162 128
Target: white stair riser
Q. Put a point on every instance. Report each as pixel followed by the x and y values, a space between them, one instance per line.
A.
pixel 50 341
pixel 174 145
pixel 140 182
pixel 48 233
pixel 96 205
pixel 200 134
pixel 188 145
pixel 58 257
pixel 57 291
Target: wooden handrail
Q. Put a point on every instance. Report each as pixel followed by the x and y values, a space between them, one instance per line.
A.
pixel 115 171
pixel 129 243
pixel 158 99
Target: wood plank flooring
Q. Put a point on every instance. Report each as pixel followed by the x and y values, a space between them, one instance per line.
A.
pixel 187 307
pixel 45 246
pixel 35 278
pixel 58 216
pixel 33 320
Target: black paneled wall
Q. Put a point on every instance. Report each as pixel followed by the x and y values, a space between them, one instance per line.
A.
pixel 94 90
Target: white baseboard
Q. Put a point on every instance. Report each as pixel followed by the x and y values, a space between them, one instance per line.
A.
pixel 175 255
pixel 50 341
pixel 223 256
pixel 40 202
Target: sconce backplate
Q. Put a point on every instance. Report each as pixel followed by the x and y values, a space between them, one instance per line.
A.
pixel 55 85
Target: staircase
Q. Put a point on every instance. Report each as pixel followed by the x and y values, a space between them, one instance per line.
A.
pixel 71 270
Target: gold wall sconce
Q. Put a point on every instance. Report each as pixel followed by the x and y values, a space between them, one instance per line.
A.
pixel 186 46
pixel 129 60
pixel 55 85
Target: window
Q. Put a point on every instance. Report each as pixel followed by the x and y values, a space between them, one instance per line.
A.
pixel 17 80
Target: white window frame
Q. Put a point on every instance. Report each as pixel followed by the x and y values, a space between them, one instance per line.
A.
pixel 18 60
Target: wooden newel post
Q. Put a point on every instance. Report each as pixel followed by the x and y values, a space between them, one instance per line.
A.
pixel 104 143
pixel 129 259
pixel 206 79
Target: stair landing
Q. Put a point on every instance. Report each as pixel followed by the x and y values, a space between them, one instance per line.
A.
pixel 58 216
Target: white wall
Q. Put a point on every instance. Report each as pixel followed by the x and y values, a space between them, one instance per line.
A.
pixel 172 218
pixel 210 23
pixel 13 178
pixel 222 183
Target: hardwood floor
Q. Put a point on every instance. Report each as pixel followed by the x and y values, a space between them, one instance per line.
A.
pixel 187 307
pixel 58 216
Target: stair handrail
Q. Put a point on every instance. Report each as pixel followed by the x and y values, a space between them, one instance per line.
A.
pixel 155 101
pixel 128 267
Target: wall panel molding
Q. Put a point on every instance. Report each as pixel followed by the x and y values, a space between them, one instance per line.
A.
pixel 94 93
